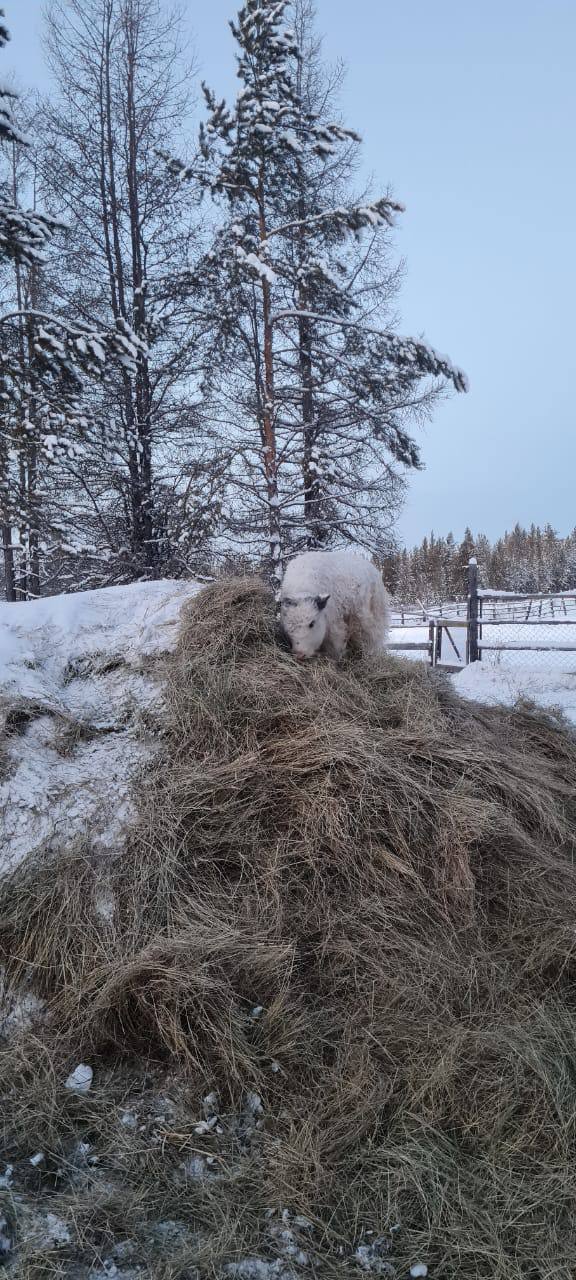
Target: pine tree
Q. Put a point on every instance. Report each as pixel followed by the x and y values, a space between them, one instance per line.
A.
pixel 553 560
pixel 482 551
pixel 524 561
pixel 404 584
pixel 24 234
pixel 291 338
pixel 497 573
pixel 570 563
pixel 448 556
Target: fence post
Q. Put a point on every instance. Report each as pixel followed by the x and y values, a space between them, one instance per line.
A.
pixel 472 650
pixel 438 645
pixel 432 642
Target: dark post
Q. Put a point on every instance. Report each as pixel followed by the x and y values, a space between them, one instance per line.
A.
pixel 431 641
pixel 438 652
pixel 472 650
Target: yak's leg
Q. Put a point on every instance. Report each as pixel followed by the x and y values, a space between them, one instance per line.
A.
pixel 336 640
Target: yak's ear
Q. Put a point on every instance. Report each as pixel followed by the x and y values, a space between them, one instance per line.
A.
pixel 322 601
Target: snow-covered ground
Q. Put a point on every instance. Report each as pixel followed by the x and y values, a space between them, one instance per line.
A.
pixel 547 678
pixel 76 678
pixel 545 685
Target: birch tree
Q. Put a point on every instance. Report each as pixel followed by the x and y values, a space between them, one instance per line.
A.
pixel 123 84
pixel 45 361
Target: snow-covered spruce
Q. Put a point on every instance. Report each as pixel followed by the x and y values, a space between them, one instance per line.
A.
pixel 296 292
pixel 333 599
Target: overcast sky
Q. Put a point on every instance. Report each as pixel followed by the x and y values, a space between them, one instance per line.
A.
pixel 468 111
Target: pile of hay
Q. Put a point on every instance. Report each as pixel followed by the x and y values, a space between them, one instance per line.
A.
pixel 354 894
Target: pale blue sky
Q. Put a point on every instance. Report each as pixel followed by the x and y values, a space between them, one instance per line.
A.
pixel 469 110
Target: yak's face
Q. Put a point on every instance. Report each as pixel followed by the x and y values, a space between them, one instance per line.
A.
pixel 304 621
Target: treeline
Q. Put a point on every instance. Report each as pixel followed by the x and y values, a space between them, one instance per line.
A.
pixel 524 560
pixel 198 359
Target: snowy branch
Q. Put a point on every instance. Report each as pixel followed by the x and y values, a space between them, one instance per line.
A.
pixel 408 349
pixel 358 216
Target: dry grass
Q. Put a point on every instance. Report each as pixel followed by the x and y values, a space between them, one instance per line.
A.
pixel 50 930
pixel 389 873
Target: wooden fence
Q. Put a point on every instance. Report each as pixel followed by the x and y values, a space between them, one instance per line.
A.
pixel 423 646
pixel 531 606
pixel 483 608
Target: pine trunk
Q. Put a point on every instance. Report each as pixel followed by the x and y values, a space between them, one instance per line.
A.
pixel 25 355
pixel 314 533
pixel 8 556
pixel 268 408
pixel 144 514
pixel 31 496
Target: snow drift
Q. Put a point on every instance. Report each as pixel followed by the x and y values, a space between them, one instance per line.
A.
pixel 77 679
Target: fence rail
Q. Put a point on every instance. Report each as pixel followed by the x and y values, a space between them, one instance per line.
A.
pixel 513 647
pixel 511 597
pixel 444 625
pixel 525 622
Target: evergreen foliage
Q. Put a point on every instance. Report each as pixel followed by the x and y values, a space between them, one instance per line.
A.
pixel 523 560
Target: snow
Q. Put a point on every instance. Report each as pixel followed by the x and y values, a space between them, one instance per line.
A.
pixel 284 1241
pixel 24 1011
pixel 259 1269
pixel 80 1080
pixel 76 676
pixel 252 260
pixel 503 684
pixel 289 137
pixel 50 1230
pixel 489 594
pixel 372 1257
pixel 547 678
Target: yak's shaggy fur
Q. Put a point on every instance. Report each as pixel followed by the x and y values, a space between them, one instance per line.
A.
pixel 333 601
pixel 385 874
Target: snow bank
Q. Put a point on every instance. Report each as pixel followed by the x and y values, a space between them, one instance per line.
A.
pixel 547 678
pixel 77 677
pixel 547 687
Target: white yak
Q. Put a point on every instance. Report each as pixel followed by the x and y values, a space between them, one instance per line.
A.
pixel 330 599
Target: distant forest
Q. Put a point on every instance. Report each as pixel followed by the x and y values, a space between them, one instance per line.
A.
pixel 531 559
